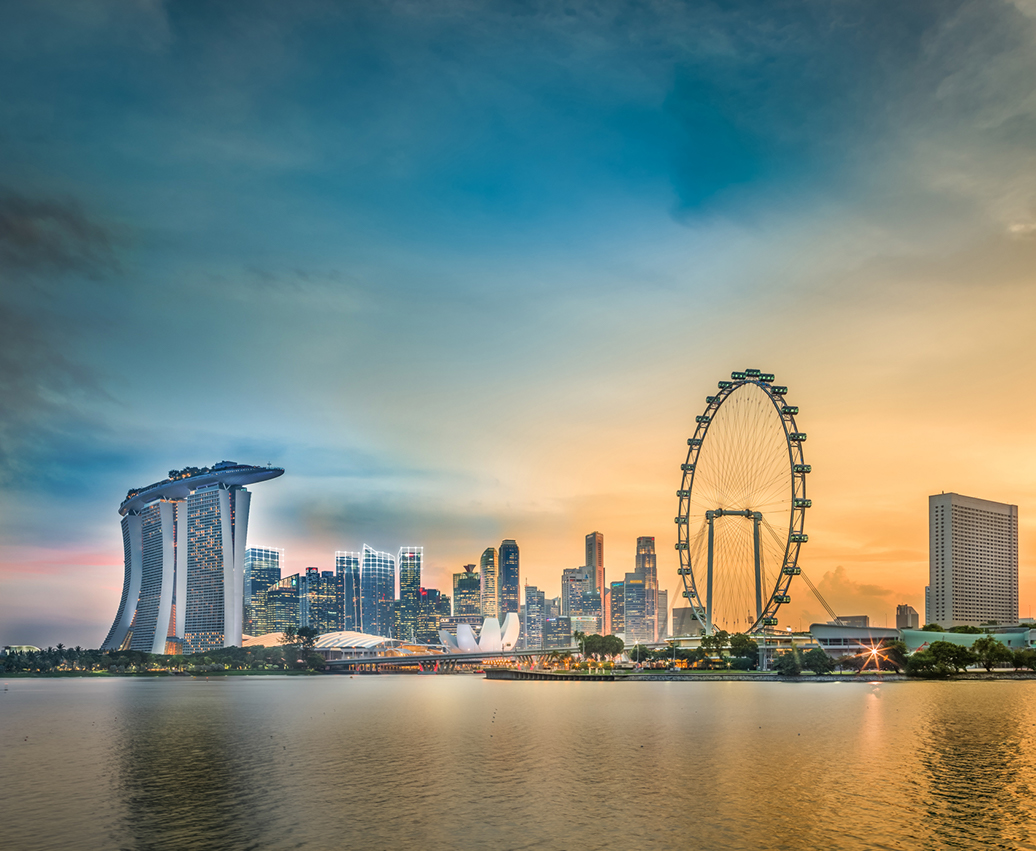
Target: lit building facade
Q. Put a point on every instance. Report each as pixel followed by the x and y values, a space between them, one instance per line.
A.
pixel 433 607
pixel 347 588
pixel 616 602
pixel 280 606
pixel 662 615
pixel 587 607
pixel 184 551
pixel 467 592
pixel 634 595
pixel 408 610
pixel 532 622
pixel 595 561
pixel 490 583
pixel 972 561
pixel 319 601
pixel 557 633
pixel 647 566
pixel 262 569
pixel 509 578
pixel 377 592
pixel 575 582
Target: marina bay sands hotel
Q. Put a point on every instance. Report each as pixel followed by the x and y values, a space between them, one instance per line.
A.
pixel 184 545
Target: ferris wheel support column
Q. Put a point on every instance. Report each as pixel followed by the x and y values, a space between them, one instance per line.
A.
pixel 756 517
pixel 710 516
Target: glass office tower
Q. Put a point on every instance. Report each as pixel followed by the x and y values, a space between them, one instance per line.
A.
pixel 377 592
pixel 647 566
pixel 408 610
pixel 490 584
pixel 467 592
pixel 347 579
pixel 595 561
pixel 262 569
pixel 509 578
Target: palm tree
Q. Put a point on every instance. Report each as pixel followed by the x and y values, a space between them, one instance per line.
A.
pixel 581 638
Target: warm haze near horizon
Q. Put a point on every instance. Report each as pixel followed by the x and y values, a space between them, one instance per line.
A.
pixel 467 272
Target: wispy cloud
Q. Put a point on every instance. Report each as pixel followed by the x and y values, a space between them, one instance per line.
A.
pixel 47 236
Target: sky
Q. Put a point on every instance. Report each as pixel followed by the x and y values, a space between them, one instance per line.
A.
pixel 467 271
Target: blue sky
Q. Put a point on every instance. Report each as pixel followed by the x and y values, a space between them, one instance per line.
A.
pixel 468 270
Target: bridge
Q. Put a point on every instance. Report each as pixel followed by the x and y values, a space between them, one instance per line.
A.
pixel 444 663
pixel 440 663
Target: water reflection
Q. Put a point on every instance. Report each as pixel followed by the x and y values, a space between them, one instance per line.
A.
pixel 977 768
pixel 447 762
pixel 183 774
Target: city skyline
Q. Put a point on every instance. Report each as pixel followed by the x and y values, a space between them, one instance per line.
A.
pixel 468 275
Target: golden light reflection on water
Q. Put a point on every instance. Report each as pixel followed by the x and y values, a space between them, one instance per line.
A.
pixel 446 762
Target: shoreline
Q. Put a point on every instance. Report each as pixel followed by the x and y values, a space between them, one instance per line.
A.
pixel 869 677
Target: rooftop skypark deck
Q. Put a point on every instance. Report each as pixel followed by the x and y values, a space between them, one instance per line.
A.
pixel 181 482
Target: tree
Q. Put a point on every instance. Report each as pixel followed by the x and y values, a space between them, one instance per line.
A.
pixel 1024 657
pixel 953 656
pixel 894 654
pixel 787 664
pixel 612 645
pixel 817 661
pixel 924 664
pixel 853 663
pixel 290 636
pixel 742 645
pixel 715 643
pixel 932 627
pixel 580 638
pixel 991 653
pixel 307 636
pixel 966 629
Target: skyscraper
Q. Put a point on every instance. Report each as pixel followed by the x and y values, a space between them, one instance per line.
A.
pixel 280 605
pixel 634 593
pixel 557 633
pixel 490 584
pixel 319 601
pixel 907 617
pixel 575 582
pixel 532 626
pixel 433 607
pixel 647 565
pixel 662 615
pixel 595 560
pixel 262 569
pixel 972 561
pixel 616 602
pixel 347 587
pixel 377 592
pixel 509 579
pixel 587 606
pixel 467 592
pixel 408 610
pixel 184 548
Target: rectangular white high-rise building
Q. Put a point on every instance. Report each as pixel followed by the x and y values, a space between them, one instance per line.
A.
pixel 972 561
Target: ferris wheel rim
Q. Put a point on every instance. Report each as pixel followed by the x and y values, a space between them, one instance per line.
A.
pixel 701 606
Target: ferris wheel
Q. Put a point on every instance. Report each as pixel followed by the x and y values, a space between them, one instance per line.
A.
pixel 742 505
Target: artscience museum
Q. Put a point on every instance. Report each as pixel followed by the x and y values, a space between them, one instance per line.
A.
pixel 493 638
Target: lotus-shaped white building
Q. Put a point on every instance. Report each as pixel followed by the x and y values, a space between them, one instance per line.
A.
pixel 492 639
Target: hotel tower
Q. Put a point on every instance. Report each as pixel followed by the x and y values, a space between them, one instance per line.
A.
pixel 184 545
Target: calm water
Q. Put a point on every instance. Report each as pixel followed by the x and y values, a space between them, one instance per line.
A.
pixel 402 762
